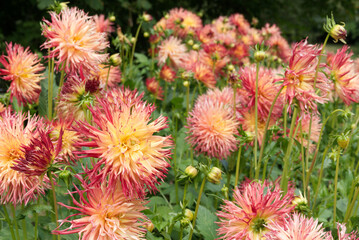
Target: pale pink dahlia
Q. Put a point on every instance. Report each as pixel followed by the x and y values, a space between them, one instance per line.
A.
pixel 342 235
pixel 173 49
pixel 212 128
pixel 103 25
pixel 73 40
pixel 124 139
pixel 256 206
pixel 297 227
pixel 104 214
pixel 22 68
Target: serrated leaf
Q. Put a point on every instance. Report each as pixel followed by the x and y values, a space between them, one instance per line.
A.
pixel 206 223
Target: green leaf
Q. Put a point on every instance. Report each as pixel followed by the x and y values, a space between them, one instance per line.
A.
pixel 150 236
pixel 206 223
pixel 141 58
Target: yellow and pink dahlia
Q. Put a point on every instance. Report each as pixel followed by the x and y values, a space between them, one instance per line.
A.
pixel 22 68
pixel 256 206
pixel 212 127
pixel 73 41
pixel 173 49
pixel 105 214
pixel 300 74
pixel 183 22
pixel 125 141
pixel 17 187
pixel 167 74
pixel 297 227
pixel 341 70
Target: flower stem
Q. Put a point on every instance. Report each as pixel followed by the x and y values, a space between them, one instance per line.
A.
pixel 133 49
pixel 36 216
pixel 108 75
pixel 197 206
pixel 284 180
pixel 15 221
pixel 335 193
pixel 351 206
pixel 237 166
pixel 284 120
pixel 7 218
pixel 256 168
pixel 320 175
pixel 24 230
pixel 265 131
pixel 187 99
pixel 54 200
pixel 184 195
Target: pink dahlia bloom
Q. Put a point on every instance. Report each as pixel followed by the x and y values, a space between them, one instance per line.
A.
pixel 73 40
pixel 124 139
pixel 267 90
pixel 17 187
pixel 240 22
pixel 183 22
pixel 173 49
pixel 256 206
pixel 212 127
pixel 204 74
pixel 297 227
pixel 22 68
pixel 103 25
pixel 342 235
pixel 300 75
pixel 104 214
pixel 341 70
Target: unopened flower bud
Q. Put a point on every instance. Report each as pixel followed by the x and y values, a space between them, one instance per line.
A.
pixel 146 17
pixel 186 84
pixel 133 40
pixel 146 34
pixel 191 171
pixel 167 16
pixel 115 59
pixel 149 226
pixel 188 214
pixel 65 175
pixel 185 222
pixel 112 18
pixel 338 32
pixel 63 5
pixel 230 67
pixel 190 42
pixel 259 55
pixel 224 191
pixel 343 141
pixel 215 175
pixel 195 46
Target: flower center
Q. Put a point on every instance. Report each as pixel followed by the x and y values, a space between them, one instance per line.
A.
pixel 258 225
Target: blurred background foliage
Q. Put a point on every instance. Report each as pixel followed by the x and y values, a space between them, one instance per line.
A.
pixel 19 19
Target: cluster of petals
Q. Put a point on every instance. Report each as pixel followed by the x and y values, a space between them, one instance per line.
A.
pixel 173 49
pixel 123 138
pixel 23 69
pixel 17 187
pixel 301 75
pixel 345 80
pixel 255 208
pixel 342 235
pixel 73 40
pixel 154 87
pixel 298 227
pixel 103 25
pixel 104 214
pixel 183 22
pixel 212 125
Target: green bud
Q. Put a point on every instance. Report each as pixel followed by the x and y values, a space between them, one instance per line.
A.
pixel 191 171
pixel 215 175
pixel 66 176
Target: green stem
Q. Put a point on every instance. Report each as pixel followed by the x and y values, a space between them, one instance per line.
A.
pixel 15 221
pixel 335 193
pixel 284 180
pixel 285 119
pixel 320 176
pixel 197 206
pixel 181 233
pixel 36 216
pixel 302 153
pixel 108 75
pixel 7 218
pixel 175 164
pixel 184 195
pixel 266 129
pixel 256 168
pixel 54 200
pixel 24 230
pixel 133 49
pixel 187 99
pixel 237 166
pixel 152 59
pixel 351 206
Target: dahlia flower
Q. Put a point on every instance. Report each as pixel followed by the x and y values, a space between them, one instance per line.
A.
pixel 342 235
pixel 173 49
pixel 204 74
pixel 103 25
pixel 300 75
pixel 167 74
pixel 124 140
pixel 183 22
pixel 341 69
pixel 75 97
pixel 104 214
pixel 206 34
pixel 114 77
pixel 267 91
pixel 256 206
pixel 279 47
pixel 74 42
pixel 22 68
pixel 238 52
pixel 154 87
pixel 215 56
pixel 240 22
pixel 212 128
pixel 16 187
pixel 297 227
